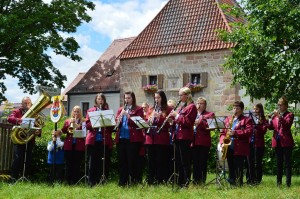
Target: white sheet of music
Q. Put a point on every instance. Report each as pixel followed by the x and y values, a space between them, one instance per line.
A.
pixel 102 118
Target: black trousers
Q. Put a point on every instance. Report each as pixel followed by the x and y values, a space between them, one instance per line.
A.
pixel 157 163
pixel 284 154
pixel 183 161
pixel 235 166
pixel 199 158
pixel 19 157
pixel 254 164
pixel 129 160
pixel 73 161
pixel 58 174
pixel 95 158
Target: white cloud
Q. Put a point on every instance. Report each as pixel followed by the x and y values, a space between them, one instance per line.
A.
pixel 126 19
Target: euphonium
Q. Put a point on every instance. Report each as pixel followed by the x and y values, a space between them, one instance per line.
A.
pixel 227 140
pixel 21 136
pixel 119 120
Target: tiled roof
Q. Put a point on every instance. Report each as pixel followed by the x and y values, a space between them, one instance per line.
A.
pixel 104 75
pixel 182 26
pixel 73 83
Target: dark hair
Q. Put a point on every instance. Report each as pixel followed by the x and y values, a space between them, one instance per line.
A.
pixel 261 110
pixel 105 105
pixel 133 98
pixel 239 104
pixel 164 101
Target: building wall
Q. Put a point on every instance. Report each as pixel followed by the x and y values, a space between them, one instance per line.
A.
pixel 113 100
pixel 219 93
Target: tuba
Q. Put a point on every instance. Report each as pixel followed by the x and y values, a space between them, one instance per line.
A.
pixel 22 136
pixel 227 140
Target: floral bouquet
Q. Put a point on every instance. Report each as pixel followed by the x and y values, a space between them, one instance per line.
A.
pixel 194 87
pixel 150 88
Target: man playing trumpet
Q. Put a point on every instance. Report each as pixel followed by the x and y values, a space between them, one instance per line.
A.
pixel 238 129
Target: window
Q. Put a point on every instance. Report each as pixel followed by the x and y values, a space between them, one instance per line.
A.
pixel 195 78
pixel 153 80
pixel 85 107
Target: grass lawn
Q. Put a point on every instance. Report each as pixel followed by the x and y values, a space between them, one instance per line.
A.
pixel 267 189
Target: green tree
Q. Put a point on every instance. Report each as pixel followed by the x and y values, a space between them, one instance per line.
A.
pixel 265 60
pixel 29 30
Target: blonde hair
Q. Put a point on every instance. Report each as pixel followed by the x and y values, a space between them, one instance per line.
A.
pixel 202 99
pixel 188 92
pixel 80 112
pixel 172 102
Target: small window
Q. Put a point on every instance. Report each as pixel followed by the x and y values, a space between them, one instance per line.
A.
pixel 153 80
pixel 195 78
pixel 85 107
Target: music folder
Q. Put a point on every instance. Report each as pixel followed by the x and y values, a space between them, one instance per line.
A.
pixel 140 122
pixel 102 118
pixel 216 123
pixel 80 133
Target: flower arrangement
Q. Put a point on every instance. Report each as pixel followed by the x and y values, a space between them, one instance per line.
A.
pixel 194 87
pixel 150 88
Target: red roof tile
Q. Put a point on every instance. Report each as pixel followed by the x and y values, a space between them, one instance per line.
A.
pixel 182 26
pixel 104 75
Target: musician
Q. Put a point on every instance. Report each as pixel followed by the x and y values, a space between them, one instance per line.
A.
pixel 95 141
pixel 239 128
pixel 129 140
pixel 146 110
pixel 73 147
pixel 257 145
pixel 282 139
pixel 157 142
pixel 15 118
pixel 202 142
pixel 184 135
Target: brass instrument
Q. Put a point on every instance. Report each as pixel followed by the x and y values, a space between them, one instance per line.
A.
pixel 21 136
pixel 165 121
pixel 72 126
pixel 151 122
pixel 119 120
pixel 227 140
pixel 272 114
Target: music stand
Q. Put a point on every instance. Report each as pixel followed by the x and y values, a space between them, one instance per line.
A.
pixel 174 175
pixel 82 134
pixel 99 119
pixel 218 124
pixel 27 123
pixel 139 122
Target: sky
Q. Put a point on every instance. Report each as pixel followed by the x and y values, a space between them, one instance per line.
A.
pixel 111 19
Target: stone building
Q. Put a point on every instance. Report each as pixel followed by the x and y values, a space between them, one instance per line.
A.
pixel 181 46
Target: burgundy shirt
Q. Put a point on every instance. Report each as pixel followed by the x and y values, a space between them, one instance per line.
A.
pixel 68 143
pixel 202 136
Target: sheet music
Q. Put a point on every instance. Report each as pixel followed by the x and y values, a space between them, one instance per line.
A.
pixel 80 133
pixel 216 123
pixel 140 122
pixel 102 118
pixel 252 115
pixel 27 123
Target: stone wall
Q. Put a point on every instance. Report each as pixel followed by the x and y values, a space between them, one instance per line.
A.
pixel 219 93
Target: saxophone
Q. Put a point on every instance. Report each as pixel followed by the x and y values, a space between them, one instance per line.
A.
pixel 227 140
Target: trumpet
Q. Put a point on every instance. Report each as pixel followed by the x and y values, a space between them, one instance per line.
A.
pixel 152 120
pixel 120 119
pixel 273 113
pixel 165 121
pixel 72 126
pixel 227 140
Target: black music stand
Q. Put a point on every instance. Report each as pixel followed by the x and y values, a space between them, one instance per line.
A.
pixel 82 134
pixel 103 118
pixel 174 177
pixel 139 122
pixel 29 126
pixel 217 124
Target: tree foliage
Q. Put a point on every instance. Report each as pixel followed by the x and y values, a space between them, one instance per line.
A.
pixel 29 31
pixel 266 59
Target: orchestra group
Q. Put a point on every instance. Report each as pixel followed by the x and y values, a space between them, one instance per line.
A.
pixel 176 144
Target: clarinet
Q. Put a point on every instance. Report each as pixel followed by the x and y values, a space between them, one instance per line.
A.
pixel 119 120
pixel 165 121
pixel 152 121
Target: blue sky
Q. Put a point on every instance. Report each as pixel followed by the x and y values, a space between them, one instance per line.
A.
pixel 111 19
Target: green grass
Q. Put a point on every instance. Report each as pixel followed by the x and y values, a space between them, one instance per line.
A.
pixel 267 189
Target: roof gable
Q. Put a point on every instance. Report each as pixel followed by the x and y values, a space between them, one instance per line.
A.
pixel 104 75
pixel 182 26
